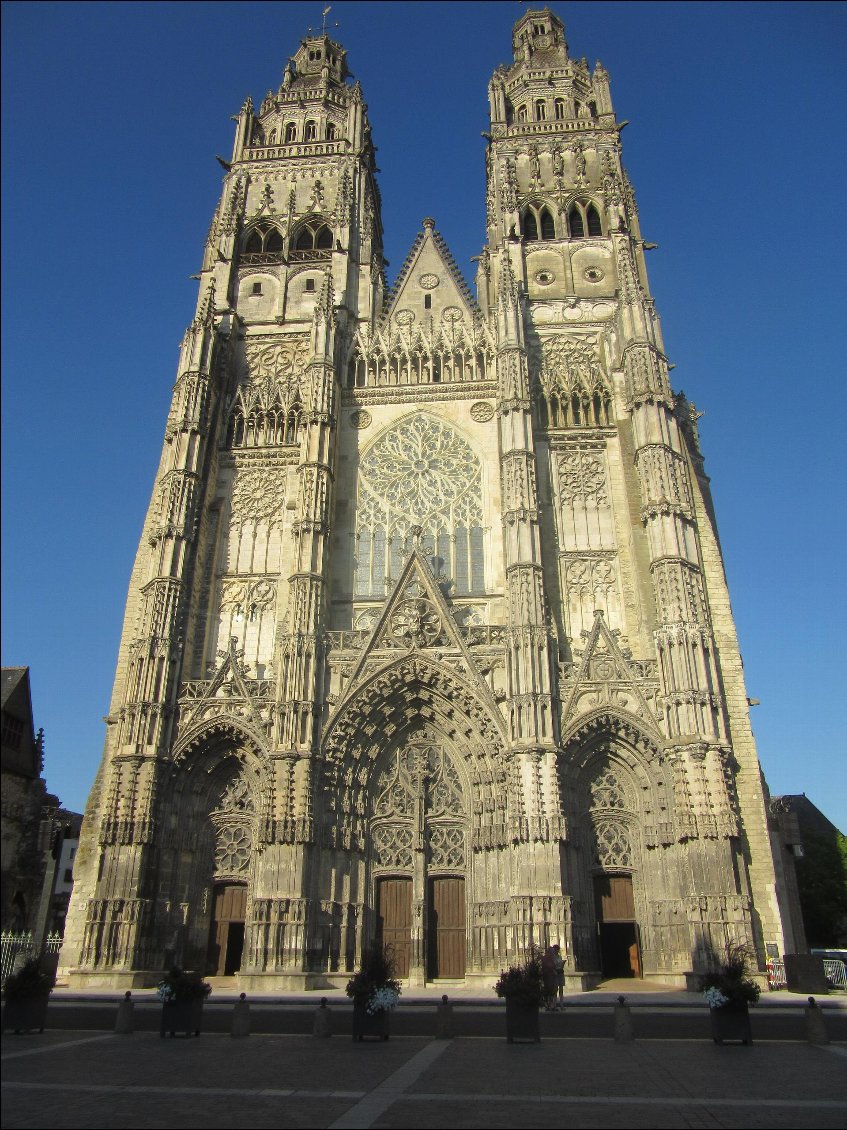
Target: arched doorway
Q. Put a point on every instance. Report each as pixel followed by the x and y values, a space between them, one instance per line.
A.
pixel 418 846
pixel 211 813
pixel 611 808
pixel 226 934
pixel 617 927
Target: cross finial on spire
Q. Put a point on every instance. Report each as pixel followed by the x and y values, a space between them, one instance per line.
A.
pixel 324 15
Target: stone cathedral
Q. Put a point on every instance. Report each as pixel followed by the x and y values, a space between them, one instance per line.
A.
pixel 428 639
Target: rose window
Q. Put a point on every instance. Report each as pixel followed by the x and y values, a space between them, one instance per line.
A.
pixel 232 852
pixel 421 473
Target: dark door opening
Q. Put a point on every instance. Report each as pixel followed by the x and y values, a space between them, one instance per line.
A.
pixel 394 920
pixel 234 948
pixel 446 928
pixel 226 934
pixel 620 951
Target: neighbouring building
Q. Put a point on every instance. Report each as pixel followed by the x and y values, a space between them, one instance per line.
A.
pixel 814 859
pixel 39 837
pixel 23 793
pixel 428 638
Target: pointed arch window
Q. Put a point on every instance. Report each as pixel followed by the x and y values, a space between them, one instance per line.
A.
pixel 559 109
pixel 290 132
pixel 311 131
pixel 312 241
pixel 540 110
pixel 538 223
pixel 420 472
pixel 331 131
pixel 522 113
pixel 584 220
pixel 263 244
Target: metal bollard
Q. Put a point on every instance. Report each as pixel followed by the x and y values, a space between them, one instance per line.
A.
pixel 816 1032
pixel 444 1020
pixel 322 1026
pixel 624 1032
pixel 125 1021
pixel 240 1018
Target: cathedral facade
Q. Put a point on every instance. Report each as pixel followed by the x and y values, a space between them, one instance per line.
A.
pixel 428 639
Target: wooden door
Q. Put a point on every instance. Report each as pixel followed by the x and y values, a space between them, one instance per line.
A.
pixel 614 898
pixel 226 935
pixel 446 928
pixel 614 902
pixel 394 920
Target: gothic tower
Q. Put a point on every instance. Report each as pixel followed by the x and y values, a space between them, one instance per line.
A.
pixel 428 639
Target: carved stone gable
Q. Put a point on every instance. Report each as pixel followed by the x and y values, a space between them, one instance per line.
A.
pixel 604 676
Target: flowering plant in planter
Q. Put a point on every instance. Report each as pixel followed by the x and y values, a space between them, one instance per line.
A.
pixel 180 985
pixel 523 981
pixel 374 987
pixel 731 985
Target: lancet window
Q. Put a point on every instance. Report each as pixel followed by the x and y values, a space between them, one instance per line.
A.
pixel 583 220
pixel 538 223
pixel 313 241
pixel 262 245
pixel 420 473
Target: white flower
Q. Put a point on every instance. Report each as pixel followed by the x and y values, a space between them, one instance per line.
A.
pixel 165 992
pixel 383 1000
pixel 714 997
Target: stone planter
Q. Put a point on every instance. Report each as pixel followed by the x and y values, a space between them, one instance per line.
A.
pixel 26 1014
pixel 731 1022
pixel 521 1021
pixel 369 1026
pixel 182 1016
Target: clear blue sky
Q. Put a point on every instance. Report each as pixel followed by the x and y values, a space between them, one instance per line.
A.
pixel 113 114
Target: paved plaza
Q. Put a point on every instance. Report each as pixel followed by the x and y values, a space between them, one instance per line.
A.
pixel 83 1078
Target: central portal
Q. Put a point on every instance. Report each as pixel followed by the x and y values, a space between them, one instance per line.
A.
pixel 418 840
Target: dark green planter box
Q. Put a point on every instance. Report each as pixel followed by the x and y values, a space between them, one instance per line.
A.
pixel 731 1022
pixel 26 1013
pixel 367 1026
pixel 182 1016
pixel 521 1022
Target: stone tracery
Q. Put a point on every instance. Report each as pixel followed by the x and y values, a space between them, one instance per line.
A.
pixel 420 472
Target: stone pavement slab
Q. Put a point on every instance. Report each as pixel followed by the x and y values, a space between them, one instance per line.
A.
pixel 74 1080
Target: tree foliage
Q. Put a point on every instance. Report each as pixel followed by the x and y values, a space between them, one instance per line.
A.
pixel 822 882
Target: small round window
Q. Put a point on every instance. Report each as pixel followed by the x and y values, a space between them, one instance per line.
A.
pixel 593 274
pixel 544 278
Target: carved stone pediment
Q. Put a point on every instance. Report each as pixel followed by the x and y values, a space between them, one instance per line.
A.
pixel 605 677
pixel 228 693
